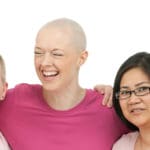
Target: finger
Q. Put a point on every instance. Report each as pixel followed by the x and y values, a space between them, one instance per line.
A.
pixel 106 98
pixel 110 102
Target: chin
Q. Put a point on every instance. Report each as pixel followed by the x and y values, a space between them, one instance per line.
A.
pixel 49 87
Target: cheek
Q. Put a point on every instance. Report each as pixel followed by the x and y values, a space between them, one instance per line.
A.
pixel 123 106
pixel 36 62
pixel 1 86
pixel 69 70
pixel 1 90
pixel 147 103
pixel 67 64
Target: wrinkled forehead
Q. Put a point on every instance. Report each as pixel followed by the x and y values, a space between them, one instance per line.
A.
pixel 56 30
pixel 52 33
pixel 52 37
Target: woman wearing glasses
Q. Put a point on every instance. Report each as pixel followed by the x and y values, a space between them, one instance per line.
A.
pixel 131 98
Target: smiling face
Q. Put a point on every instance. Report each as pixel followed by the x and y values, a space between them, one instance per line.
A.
pixel 136 109
pixel 57 61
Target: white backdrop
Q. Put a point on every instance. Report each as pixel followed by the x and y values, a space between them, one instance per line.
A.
pixel 115 29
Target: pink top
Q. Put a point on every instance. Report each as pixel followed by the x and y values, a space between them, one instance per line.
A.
pixel 126 142
pixel 30 124
pixel 3 143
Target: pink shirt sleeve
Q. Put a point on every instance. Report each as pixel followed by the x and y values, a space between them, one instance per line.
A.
pixel 3 143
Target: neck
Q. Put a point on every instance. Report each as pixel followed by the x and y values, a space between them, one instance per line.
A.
pixel 143 141
pixel 64 99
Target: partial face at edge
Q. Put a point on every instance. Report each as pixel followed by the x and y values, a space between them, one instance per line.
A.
pixel 3 88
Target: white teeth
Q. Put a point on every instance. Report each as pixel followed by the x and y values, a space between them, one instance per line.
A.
pixel 49 73
pixel 137 110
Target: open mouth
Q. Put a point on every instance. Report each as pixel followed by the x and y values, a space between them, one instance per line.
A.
pixel 50 73
pixel 137 110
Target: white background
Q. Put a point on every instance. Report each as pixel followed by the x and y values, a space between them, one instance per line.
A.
pixel 115 30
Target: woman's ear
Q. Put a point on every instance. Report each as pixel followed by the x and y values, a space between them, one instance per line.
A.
pixel 83 57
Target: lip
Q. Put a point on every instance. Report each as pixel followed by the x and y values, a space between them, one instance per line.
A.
pixel 49 75
pixel 137 110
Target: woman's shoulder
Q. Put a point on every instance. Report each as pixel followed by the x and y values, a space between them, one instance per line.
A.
pixel 130 136
pixel 126 141
pixel 24 87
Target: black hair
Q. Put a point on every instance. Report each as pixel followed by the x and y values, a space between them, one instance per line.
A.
pixel 139 60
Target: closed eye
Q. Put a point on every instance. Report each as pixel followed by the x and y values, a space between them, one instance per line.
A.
pixel 38 52
pixel 57 54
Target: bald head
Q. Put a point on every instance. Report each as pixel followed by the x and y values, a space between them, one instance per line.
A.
pixel 69 27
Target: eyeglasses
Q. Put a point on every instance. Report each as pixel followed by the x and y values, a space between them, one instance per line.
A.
pixel 125 94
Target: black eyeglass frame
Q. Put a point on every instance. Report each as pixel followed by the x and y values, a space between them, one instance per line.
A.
pixel 138 92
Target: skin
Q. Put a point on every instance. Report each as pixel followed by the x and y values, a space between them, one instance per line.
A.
pixel 107 91
pixel 3 88
pixel 57 63
pixel 136 109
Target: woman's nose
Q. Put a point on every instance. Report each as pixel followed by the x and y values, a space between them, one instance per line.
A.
pixel 134 99
pixel 47 59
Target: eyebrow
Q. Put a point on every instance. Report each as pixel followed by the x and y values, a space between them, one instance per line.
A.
pixel 136 85
pixel 38 48
pixel 55 49
pixel 144 82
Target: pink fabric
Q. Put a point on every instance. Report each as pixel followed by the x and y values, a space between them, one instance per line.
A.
pixel 30 124
pixel 126 142
pixel 3 143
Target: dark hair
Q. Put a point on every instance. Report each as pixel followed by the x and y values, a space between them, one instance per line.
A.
pixel 139 60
